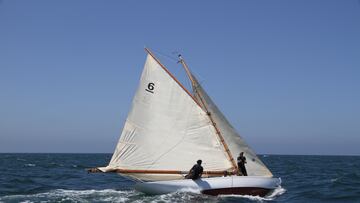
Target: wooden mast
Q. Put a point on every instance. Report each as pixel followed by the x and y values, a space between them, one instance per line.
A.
pixel 227 150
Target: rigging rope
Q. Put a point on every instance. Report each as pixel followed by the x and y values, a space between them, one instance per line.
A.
pixel 167 56
pixel 176 60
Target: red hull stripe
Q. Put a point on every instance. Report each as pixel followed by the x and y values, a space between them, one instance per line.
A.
pixel 254 191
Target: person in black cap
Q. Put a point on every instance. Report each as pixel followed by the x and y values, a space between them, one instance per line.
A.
pixel 241 161
pixel 196 171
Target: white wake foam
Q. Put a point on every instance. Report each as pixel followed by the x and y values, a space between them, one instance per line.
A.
pixel 190 190
pixel 30 165
pixel 275 193
pixel 61 195
pixel 111 195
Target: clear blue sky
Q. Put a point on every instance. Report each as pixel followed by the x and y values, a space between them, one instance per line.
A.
pixel 285 73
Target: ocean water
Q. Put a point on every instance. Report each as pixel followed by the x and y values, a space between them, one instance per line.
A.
pixel 62 178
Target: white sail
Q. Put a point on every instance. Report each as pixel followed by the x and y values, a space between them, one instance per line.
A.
pixel 236 144
pixel 166 130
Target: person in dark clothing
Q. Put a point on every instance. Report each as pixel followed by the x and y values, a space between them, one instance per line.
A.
pixel 241 161
pixel 196 171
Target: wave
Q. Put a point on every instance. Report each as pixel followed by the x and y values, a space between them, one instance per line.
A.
pixel 179 196
pixel 275 193
pixel 270 197
pixel 106 195
pixel 30 165
pixel 111 195
pixel 55 164
pixel 61 195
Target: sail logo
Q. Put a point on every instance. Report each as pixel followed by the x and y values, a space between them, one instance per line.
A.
pixel 150 87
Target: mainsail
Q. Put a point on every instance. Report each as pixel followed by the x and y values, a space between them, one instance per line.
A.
pixel 166 130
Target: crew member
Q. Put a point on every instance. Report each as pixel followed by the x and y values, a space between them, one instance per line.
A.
pixel 241 161
pixel 196 171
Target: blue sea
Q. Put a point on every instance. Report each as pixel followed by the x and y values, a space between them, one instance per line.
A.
pixel 63 178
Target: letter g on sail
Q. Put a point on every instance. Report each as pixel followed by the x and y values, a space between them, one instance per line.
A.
pixel 150 87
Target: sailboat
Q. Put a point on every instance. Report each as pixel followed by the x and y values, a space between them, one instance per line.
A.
pixel 168 128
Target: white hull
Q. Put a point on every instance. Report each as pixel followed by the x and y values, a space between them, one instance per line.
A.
pixel 242 185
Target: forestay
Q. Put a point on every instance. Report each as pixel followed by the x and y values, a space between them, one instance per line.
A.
pixel 166 130
pixel 255 167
